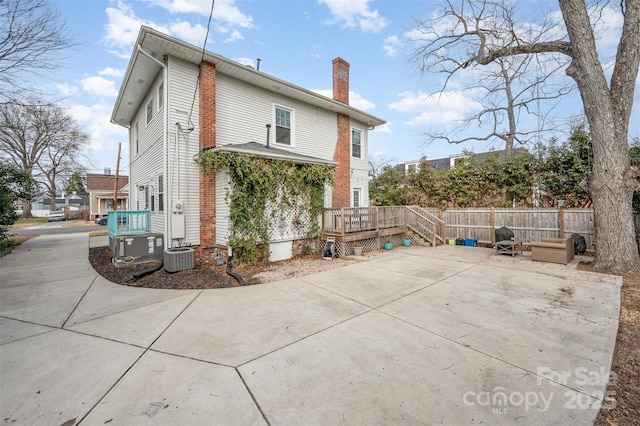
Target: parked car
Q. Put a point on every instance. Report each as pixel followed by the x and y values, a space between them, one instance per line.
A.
pixel 122 220
pixel 55 216
pixel 101 220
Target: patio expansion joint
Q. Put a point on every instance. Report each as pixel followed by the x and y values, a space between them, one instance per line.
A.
pixel 79 301
pixel 253 398
pixel 468 347
pixel 134 308
pixel 51 328
pixel 304 337
pixel 146 349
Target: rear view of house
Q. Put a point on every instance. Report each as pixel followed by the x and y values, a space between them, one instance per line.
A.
pixel 177 103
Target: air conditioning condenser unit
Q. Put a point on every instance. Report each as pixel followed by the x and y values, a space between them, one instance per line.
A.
pixel 179 259
pixel 137 248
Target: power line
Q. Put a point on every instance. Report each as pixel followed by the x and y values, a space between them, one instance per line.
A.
pixel 204 45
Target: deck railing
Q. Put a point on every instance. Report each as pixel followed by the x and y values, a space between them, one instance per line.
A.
pixel 361 219
pixel 126 221
pixel 381 221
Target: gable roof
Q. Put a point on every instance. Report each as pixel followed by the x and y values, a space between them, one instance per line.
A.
pixel 98 182
pixel 147 60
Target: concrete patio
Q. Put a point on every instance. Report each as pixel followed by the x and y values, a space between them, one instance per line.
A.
pixel 445 335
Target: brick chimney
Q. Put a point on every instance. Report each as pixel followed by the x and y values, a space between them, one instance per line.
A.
pixel 342 154
pixel 207 120
pixel 341 80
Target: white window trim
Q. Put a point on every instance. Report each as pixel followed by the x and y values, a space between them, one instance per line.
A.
pixel 353 198
pixel 146 111
pixel 293 124
pixel 361 142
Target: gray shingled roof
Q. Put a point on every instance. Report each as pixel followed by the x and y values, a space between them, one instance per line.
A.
pixel 255 148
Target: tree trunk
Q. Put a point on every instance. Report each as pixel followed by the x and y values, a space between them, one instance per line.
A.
pixel 611 184
pixel 26 209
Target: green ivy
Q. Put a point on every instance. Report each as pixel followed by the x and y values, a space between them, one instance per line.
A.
pixel 258 182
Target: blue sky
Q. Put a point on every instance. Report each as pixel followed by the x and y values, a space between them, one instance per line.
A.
pixel 296 41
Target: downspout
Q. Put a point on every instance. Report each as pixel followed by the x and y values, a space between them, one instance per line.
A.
pixel 165 145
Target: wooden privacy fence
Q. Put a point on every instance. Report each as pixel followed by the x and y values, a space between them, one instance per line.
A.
pixel 527 224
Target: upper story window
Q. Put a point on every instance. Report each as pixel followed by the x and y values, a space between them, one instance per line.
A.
pixel 150 111
pixel 284 125
pixel 161 96
pixel 356 143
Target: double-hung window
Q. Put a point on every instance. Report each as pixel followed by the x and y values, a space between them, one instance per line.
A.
pixel 284 125
pixel 149 111
pixel 356 197
pixel 356 143
pixel 161 193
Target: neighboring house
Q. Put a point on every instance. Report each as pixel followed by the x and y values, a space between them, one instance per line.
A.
pixel 446 163
pixel 101 187
pixel 41 204
pixel 176 102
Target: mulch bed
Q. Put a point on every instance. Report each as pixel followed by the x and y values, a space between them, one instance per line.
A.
pixel 625 390
pixel 202 277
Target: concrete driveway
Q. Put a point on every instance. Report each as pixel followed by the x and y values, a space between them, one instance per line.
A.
pixel 446 335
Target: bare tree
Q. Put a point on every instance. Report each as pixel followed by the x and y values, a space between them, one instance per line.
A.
pixel 39 139
pixel 607 105
pixel 60 160
pixel 377 163
pixel 32 41
pixel 517 92
pixel 515 102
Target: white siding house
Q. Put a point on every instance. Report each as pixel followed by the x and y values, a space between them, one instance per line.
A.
pixel 161 103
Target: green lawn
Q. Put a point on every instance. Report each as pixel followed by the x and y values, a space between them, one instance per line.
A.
pixel 12 242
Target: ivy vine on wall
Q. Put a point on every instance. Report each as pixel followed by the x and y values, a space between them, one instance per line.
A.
pixel 262 187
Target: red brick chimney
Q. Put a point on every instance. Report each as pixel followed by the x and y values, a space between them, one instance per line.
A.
pixel 341 80
pixel 342 190
pixel 207 140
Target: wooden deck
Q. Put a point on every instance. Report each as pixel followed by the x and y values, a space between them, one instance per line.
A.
pixel 362 223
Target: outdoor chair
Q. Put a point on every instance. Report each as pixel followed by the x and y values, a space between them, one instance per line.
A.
pixel 557 250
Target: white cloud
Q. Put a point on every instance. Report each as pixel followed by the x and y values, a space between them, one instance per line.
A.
pixel 123 26
pixel 223 10
pixel 385 128
pixel 66 89
pixel 355 13
pixel 95 120
pixel 235 36
pixel 111 72
pixel 607 27
pixel 99 86
pixel 246 61
pixel 438 108
pixel 355 99
pixel 193 34
pixel 390 45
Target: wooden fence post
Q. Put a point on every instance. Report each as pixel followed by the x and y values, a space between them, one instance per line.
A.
pixel 561 222
pixel 493 226
pixel 343 221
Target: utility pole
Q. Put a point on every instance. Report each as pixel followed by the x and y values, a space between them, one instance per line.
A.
pixel 115 184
